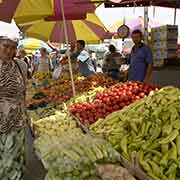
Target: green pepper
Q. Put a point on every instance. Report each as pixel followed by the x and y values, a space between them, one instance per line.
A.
pixel 167 129
pixel 164 148
pixel 170 138
pixel 176 124
pixel 124 144
pixel 143 129
pixel 152 176
pixel 164 160
pixel 173 151
pixel 171 169
pixel 156 159
pixel 155 168
pixel 157 153
pixel 156 133
pixel 133 126
pixel 148 156
pixel 164 177
pixel 146 166
pixel 146 145
pixel 148 124
pixel 178 144
pixel 172 175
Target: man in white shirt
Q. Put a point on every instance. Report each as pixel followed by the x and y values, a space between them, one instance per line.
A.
pixel 84 61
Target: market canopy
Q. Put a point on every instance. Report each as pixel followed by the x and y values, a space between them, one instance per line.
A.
pixel 91 30
pixel 133 3
pixel 29 10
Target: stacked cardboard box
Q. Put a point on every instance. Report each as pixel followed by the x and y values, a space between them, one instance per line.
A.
pixel 164 43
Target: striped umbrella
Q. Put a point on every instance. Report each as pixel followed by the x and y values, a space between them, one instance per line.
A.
pixel 29 10
pixel 91 30
pixel 31 44
pixel 133 23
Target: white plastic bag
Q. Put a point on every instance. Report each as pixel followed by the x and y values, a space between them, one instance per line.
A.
pixel 57 72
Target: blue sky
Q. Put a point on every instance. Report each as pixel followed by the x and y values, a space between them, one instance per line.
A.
pixel 110 15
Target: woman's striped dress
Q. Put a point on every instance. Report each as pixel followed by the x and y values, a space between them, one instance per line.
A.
pixel 13 121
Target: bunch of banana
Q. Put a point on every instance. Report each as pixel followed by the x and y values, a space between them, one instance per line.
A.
pixel 86 96
pixel 40 76
pixel 74 155
pixel 150 130
pixel 54 125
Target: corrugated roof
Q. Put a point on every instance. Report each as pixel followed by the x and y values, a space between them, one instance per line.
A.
pixel 132 3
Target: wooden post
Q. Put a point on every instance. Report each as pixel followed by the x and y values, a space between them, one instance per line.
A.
pixel 68 50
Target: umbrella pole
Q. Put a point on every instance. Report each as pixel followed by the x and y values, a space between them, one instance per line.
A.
pixel 68 50
pixel 175 14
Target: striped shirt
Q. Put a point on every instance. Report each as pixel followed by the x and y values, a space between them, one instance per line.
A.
pixel 12 95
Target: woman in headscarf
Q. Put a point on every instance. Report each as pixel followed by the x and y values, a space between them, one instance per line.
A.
pixel 13 118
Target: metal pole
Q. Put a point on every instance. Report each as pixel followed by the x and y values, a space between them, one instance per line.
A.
pixel 68 50
pixel 154 12
pixel 175 14
pixel 146 19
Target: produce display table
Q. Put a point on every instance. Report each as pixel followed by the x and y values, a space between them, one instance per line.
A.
pixel 168 75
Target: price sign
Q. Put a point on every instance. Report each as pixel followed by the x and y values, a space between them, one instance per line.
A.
pixel 123 31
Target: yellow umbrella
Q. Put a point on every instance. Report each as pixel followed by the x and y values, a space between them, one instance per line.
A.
pixel 29 10
pixel 25 10
pixel 91 30
pixel 31 44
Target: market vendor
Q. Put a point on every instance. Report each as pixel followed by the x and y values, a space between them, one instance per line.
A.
pixel 13 118
pixel 86 67
pixel 112 63
pixel 141 62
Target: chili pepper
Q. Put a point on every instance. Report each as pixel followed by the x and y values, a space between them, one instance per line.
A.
pixel 157 153
pixel 124 144
pixel 164 148
pixel 155 168
pixel 167 129
pixel 146 145
pixel 171 169
pixel 156 159
pixel 173 151
pixel 171 137
pixel 178 144
pixel 164 160
pixel 153 177
pixel 156 133
pixel 172 175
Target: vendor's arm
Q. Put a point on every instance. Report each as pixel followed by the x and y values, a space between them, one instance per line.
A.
pixel 149 61
pixel 148 73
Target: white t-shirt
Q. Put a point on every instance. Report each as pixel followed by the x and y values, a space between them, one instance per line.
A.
pixel 43 64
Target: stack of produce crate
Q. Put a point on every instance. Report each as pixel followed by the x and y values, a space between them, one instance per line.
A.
pixel 164 43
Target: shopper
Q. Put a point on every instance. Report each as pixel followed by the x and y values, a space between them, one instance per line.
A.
pixel 13 118
pixel 141 63
pixel 22 55
pixel 112 63
pixel 86 67
pixel 43 64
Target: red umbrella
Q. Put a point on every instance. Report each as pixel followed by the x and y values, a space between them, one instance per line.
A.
pixel 29 10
